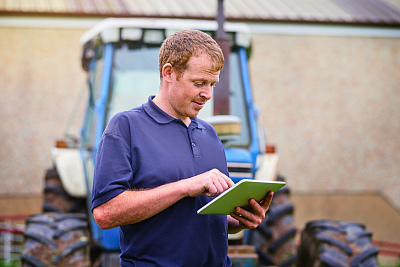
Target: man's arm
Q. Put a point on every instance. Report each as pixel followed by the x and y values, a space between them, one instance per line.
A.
pixel 242 219
pixel 133 206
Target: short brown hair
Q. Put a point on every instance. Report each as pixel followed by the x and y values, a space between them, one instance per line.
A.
pixel 178 48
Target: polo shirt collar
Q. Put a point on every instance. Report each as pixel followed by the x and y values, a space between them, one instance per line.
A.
pixel 199 123
pixel 155 112
pixel 161 117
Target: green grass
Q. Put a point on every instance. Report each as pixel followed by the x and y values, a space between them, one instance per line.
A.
pixel 396 265
pixel 13 263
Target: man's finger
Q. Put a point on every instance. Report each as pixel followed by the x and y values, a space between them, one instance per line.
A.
pixel 211 190
pixel 219 187
pixel 244 220
pixel 229 181
pixel 226 183
pixel 257 208
pixel 267 200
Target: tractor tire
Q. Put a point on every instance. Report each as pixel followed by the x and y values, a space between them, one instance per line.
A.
pixel 274 238
pixel 336 244
pixel 56 239
pixel 56 199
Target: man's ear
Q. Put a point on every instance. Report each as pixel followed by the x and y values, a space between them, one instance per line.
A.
pixel 168 72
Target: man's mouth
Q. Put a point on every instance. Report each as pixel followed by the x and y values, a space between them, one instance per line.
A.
pixel 199 104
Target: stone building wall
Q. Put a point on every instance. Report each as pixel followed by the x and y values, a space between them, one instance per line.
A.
pixel 40 82
pixel 331 105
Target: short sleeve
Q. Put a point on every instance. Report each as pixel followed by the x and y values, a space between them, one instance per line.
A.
pixel 113 169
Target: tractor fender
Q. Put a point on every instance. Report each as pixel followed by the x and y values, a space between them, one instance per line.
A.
pixel 69 165
pixel 269 167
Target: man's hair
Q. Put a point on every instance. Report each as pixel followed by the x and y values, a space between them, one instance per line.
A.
pixel 178 48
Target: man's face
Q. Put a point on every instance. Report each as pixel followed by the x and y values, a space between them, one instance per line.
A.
pixel 193 88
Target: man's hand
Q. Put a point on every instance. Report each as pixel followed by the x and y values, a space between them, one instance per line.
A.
pixel 250 219
pixel 211 183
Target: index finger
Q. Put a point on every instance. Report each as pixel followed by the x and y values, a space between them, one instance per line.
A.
pixel 228 180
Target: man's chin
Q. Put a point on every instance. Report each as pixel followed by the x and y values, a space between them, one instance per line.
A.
pixel 194 113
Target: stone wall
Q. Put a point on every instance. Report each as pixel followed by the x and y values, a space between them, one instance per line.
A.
pixel 41 81
pixel 331 105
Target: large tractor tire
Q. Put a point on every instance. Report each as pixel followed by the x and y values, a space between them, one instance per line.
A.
pixel 56 199
pixel 336 244
pixel 56 239
pixel 274 238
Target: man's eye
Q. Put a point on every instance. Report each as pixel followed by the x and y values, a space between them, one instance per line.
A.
pixel 199 84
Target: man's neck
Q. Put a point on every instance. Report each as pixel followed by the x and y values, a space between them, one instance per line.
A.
pixel 160 103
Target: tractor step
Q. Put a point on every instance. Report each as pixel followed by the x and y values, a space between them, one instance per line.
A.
pixel 243 255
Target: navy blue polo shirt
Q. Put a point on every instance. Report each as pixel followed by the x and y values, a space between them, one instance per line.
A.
pixel 144 148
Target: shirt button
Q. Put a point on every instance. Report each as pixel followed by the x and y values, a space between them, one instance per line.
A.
pixel 193 144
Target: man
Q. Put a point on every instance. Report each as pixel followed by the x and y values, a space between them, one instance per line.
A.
pixel 158 164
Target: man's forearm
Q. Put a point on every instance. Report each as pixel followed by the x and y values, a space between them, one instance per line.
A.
pixel 133 206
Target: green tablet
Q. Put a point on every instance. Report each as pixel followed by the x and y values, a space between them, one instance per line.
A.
pixel 239 196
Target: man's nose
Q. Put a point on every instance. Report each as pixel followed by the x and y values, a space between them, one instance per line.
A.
pixel 207 92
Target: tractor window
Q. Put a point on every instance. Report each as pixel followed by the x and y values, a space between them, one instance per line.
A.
pixel 136 77
pixel 96 71
pixel 237 101
pixel 95 74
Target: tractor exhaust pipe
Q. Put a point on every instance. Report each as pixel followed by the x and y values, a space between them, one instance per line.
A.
pixel 221 95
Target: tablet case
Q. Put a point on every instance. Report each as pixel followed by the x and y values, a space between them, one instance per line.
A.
pixel 239 196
